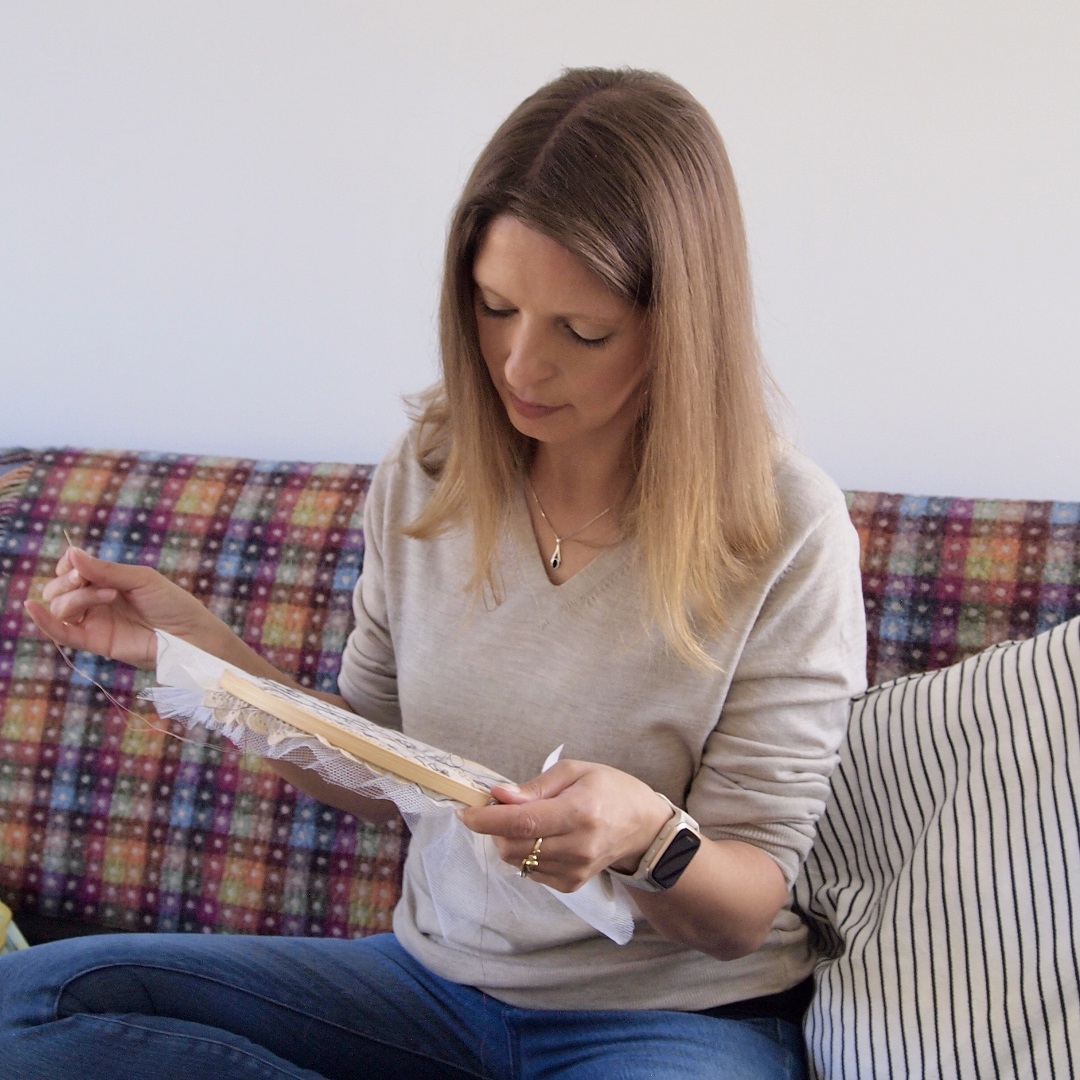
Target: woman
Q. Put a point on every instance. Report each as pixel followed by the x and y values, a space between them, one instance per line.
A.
pixel 590 536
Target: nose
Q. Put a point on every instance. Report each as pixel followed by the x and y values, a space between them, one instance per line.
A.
pixel 526 361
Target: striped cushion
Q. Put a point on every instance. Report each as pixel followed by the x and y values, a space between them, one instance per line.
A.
pixel 944 885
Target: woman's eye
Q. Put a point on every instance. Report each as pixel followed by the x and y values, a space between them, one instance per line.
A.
pixel 589 342
pixel 491 312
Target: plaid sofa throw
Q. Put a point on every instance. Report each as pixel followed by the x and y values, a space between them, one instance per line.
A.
pixel 106 821
pixel 946 578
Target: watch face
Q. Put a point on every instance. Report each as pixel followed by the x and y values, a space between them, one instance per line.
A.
pixel 676 858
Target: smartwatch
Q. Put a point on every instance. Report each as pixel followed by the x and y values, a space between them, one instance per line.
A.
pixel 668 855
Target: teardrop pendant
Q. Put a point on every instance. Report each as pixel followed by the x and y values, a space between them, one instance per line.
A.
pixel 556 556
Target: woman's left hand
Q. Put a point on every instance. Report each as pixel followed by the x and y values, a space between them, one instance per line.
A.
pixel 590 817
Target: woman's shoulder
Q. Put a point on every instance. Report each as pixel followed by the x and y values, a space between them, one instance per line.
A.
pixel 806 494
pixel 402 457
pixel 399 477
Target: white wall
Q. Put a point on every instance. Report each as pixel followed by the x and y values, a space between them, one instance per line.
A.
pixel 221 220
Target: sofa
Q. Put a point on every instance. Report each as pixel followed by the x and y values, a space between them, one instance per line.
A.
pixel 943 891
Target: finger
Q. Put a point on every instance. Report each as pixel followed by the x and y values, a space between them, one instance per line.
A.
pixel 107 574
pixel 62 584
pixel 542 850
pixel 59 631
pixel 528 810
pixel 74 606
pixel 525 821
pixel 546 865
pixel 529 860
pixel 545 786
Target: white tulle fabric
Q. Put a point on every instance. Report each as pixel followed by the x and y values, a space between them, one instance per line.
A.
pixel 469 883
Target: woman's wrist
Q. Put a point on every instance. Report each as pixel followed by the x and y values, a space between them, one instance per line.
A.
pixel 660 812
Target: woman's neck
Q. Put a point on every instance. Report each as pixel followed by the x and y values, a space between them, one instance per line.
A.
pixel 575 504
pixel 578 484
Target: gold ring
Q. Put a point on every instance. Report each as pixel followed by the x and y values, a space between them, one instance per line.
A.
pixel 531 861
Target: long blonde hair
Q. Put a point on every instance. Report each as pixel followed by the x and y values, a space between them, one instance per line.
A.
pixel 626 170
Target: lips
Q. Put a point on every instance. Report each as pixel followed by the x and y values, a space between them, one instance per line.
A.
pixel 529 409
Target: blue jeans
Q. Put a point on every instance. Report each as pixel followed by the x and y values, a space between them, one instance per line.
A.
pixel 178 1006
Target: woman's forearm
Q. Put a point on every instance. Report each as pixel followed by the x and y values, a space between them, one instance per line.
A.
pixel 725 902
pixel 226 645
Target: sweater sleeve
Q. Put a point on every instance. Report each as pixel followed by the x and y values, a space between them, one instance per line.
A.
pixel 368 676
pixel 764 775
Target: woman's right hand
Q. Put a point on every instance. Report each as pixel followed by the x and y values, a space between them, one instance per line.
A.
pixel 113 609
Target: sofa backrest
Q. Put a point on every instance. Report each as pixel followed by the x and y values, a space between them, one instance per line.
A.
pixel 944 578
pixel 106 820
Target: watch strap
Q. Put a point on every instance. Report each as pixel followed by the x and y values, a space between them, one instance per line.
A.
pixel 680 827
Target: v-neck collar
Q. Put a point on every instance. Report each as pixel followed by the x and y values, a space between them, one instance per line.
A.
pixel 607 563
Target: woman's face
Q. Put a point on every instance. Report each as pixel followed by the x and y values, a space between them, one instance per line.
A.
pixel 567 356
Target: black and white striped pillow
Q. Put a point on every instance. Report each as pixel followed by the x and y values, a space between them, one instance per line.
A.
pixel 944 883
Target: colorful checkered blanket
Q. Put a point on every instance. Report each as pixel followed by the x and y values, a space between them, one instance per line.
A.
pixel 111 819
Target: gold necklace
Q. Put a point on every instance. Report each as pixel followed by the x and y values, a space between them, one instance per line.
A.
pixel 556 556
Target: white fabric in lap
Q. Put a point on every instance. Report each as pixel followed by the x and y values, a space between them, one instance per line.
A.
pixel 473 883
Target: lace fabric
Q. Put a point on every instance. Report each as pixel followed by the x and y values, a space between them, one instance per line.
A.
pixel 471 887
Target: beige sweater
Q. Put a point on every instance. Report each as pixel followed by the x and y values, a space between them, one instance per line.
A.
pixel 747 748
